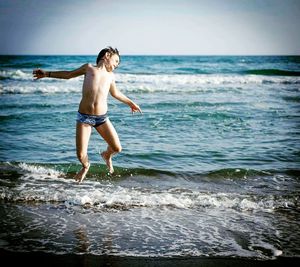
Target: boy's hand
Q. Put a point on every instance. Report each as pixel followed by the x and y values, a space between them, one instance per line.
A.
pixel 135 108
pixel 38 74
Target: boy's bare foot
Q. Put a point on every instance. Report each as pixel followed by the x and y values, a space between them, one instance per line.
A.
pixel 108 162
pixel 82 173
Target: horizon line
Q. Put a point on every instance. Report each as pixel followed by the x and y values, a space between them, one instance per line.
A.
pixel 200 55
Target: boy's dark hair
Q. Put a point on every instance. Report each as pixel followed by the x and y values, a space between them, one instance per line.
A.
pixel 110 50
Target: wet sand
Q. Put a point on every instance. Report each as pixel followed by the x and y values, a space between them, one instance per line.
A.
pixel 10 258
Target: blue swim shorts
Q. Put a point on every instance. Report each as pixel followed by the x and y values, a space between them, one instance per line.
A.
pixel 93 120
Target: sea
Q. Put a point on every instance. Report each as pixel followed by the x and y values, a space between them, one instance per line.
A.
pixel 211 168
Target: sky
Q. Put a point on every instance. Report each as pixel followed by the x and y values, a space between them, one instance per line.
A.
pixel 145 27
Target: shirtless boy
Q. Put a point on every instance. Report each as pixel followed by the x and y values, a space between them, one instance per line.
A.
pixel 98 82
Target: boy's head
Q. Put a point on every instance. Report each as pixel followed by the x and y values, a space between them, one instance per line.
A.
pixel 107 51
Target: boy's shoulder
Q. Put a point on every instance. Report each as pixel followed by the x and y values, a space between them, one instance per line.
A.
pixel 89 65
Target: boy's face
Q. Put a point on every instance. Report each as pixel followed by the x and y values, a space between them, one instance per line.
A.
pixel 113 62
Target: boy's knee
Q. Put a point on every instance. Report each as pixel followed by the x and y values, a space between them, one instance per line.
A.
pixel 81 156
pixel 117 149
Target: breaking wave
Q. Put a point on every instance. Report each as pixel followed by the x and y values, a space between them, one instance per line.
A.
pixel 24 182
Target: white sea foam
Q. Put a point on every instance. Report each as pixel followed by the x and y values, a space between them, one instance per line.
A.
pixel 162 222
pixel 214 79
pixel 15 75
pixel 24 83
pixel 39 170
pixel 46 184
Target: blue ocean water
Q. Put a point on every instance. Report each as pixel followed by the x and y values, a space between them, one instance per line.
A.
pixel 211 168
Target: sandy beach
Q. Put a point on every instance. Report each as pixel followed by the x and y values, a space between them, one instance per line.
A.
pixel 48 259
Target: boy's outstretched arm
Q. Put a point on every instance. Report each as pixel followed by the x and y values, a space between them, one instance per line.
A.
pixel 114 91
pixel 38 73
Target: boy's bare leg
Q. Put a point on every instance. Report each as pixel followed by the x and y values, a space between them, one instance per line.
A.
pixel 107 157
pixel 82 173
pixel 109 134
pixel 83 133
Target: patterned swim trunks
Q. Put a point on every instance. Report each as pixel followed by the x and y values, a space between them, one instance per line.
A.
pixel 93 120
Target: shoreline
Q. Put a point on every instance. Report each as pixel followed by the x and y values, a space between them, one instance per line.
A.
pixel 50 259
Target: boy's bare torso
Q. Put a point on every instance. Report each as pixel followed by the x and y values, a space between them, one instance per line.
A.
pixel 95 90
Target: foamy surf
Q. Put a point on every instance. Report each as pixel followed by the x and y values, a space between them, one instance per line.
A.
pixel 45 184
pixel 140 83
pixel 157 213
